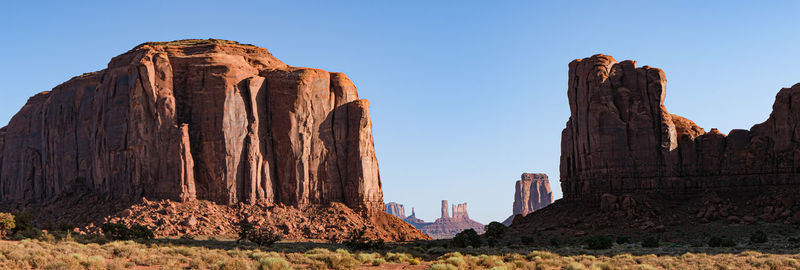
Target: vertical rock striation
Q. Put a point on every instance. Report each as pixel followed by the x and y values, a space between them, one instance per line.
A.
pixel 195 119
pixel 621 139
pixel 396 209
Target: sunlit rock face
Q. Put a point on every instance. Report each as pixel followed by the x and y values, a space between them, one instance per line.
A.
pixel 532 192
pixel 195 119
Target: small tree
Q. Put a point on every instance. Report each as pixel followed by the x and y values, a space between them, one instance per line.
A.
pixel 6 223
pixel 264 237
pixel 245 230
pixel 468 237
pixel 495 230
pixel 599 242
pixel 758 237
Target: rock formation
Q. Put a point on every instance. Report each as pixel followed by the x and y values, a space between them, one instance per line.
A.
pixel 195 119
pixel 396 209
pixel 532 193
pixel 620 139
pixel 446 226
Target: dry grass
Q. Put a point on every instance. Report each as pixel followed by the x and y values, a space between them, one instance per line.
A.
pixel 66 254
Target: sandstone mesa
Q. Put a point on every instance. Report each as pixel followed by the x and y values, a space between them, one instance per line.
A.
pixel 189 120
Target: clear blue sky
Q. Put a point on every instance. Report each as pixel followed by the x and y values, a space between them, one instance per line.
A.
pixel 465 95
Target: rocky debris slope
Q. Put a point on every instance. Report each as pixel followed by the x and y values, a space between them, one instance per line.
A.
pixel 620 139
pixel 396 209
pixel 532 193
pixel 193 120
pixel 447 226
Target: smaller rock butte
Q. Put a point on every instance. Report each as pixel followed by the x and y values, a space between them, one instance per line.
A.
pixel 396 209
pixel 446 226
pixel 532 193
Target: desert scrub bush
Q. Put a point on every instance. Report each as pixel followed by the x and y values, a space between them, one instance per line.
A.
pixel 6 224
pixel 443 266
pixel 758 237
pixel 598 242
pixel 651 242
pixel 273 263
pixel 333 260
pixel 23 227
pixel 117 231
pixel 721 242
pixel 526 240
pixel 621 240
pixel 236 263
pixel 398 257
pixel 467 238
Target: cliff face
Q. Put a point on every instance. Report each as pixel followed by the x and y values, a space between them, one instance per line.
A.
pixel 621 139
pixel 396 209
pixel 195 119
pixel 532 193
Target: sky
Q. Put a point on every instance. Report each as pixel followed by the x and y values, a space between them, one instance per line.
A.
pixel 465 95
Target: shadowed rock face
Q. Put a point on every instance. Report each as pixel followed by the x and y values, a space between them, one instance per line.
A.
pixel 532 193
pixel 198 119
pixel 621 139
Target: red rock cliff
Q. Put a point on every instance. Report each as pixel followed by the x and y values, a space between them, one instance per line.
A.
pixel 195 119
pixel 621 139
pixel 532 193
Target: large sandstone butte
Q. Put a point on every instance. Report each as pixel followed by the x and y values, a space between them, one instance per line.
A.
pixel 188 120
pixel 620 139
pixel 532 193
pixel 630 167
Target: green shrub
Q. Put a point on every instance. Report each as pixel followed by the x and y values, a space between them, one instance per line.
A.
pixel 527 240
pixel 244 229
pixel 117 231
pixel 599 242
pixel 721 242
pixel 623 240
pixel 6 224
pixel 495 230
pixel 650 242
pixel 24 228
pixel 758 237
pixel 554 242
pixel 265 237
pixel 358 241
pixel 468 237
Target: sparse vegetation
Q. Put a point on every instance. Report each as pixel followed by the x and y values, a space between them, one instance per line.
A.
pixel 263 236
pixel 357 240
pixel 116 231
pixel 758 237
pixel 721 242
pixel 651 242
pixel 219 254
pixel 599 242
